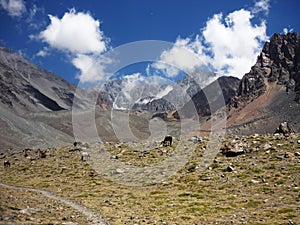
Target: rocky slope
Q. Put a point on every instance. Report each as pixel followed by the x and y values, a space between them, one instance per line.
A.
pixel 269 93
pixel 34 104
pixel 26 88
pixel 279 62
pixel 210 99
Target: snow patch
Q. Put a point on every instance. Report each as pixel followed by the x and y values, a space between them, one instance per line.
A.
pixel 164 92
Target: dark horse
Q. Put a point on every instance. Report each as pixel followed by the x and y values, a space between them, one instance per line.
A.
pixel 167 141
pixel 6 163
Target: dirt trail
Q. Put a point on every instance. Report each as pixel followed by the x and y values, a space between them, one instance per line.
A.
pixel 92 216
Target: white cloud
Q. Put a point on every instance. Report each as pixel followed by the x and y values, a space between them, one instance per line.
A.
pixel 74 32
pixel 35 17
pixel 92 67
pixel 229 45
pixel 79 35
pixel 185 55
pixel 234 44
pixel 44 52
pixel 14 7
pixel 287 30
pixel 32 13
pixel 261 6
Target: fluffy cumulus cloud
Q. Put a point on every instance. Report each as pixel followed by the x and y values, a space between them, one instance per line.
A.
pixel 234 42
pixel 75 32
pixel 92 67
pixel 14 8
pixel 185 55
pixel 228 44
pixel 79 35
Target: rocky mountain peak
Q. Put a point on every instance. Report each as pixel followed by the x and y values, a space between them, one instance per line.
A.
pixel 278 62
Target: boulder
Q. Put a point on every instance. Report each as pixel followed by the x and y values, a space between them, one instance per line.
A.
pixel 284 128
pixel 232 149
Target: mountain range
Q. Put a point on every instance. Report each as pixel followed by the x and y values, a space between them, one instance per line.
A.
pixel 36 105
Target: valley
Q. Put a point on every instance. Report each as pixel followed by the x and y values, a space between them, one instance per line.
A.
pixel 96 156
pixel 242 189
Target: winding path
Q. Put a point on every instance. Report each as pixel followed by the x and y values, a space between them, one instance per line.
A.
pixel 92 216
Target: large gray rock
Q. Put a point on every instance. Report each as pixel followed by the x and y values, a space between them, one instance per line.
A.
pixel 284 128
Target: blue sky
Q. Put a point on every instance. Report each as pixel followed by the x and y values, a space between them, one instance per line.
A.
pixel 78 32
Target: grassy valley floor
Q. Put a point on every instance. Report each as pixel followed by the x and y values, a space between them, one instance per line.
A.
pixel 258 187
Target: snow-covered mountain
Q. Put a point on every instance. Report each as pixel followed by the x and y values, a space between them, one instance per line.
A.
pixel 132 89
pixel 152 93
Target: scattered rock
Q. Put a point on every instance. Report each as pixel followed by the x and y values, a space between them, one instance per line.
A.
pixel 230 169
pixel 114 157
pixel 235 153
pixel 64 218
pixel 196 139
pixel 288 155
pixel 254 181
pixel 191 168
pixel 267 146
pixel 2 156
pixel 64 168
pixel 206 178
pixel 119 171
pixel 11 217
pixel 29 211
pixel 284 128
pixel 280 156
pixel 232 149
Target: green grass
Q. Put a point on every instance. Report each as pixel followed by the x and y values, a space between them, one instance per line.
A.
pixel 253 203
pixel 286 210
pixel 185 198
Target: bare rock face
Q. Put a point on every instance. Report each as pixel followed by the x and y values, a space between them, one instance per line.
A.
pixel 284 128
pixel 278 62
pixel 283 53
pixel 227 87
pixel 26 88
